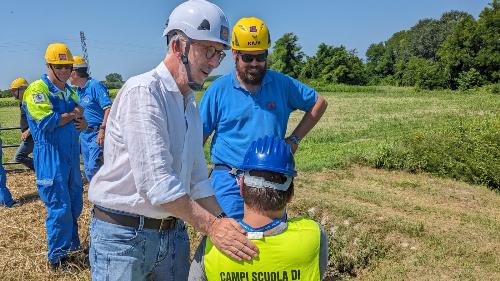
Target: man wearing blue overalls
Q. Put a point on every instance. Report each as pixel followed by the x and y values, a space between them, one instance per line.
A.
pixel 94 98
pixel 5 196
pixel 54 117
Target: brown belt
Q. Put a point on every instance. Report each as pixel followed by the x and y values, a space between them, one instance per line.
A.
pixel 132 221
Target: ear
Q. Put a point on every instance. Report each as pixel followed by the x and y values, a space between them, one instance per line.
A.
pixel 177 48
pixel 234 54
pixel 290 197
pixel 240 183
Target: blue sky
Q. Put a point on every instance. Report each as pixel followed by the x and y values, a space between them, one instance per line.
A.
pixel 126 36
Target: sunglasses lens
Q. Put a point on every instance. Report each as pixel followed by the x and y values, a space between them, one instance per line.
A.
pixel 249 58
pixel 246 58
pixel 262 57
pixel 62 66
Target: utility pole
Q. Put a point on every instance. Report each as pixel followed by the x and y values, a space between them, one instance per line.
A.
pixel 84 50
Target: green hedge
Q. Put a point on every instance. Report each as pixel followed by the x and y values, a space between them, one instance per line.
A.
pixel 6 102
pixel 467 150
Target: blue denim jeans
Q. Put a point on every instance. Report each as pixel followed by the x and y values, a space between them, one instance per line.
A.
pixel 23 152
pixel 127 253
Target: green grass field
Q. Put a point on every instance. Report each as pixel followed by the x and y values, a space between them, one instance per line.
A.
pixel 412 220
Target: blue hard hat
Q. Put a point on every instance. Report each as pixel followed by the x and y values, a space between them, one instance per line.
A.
pixel 270 154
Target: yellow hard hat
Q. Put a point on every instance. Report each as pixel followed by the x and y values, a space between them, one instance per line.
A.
pixel 250 34
pixel 58 53
pixel 79 62
pixel 18 83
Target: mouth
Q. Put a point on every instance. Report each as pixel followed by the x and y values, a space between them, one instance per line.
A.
pixel 205 72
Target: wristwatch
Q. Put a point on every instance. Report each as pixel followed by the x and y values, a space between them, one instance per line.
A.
pixel 221 215
pixel 294 139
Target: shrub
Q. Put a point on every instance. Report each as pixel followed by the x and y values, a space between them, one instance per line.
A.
pixel 424 74
pixel 465 150
pixel 6 102
pixel 469 79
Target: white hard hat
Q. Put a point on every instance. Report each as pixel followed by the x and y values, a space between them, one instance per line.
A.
pixel 199 20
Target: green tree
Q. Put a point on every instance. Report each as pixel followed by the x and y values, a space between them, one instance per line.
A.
pixel 379 62
pixel 487 60
pixel 287 56
pixel 424 74
pixel 114 77
pixel 335 65
pixel 113 81
pixel 458 51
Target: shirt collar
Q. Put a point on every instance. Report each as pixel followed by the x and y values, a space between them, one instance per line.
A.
pixel 166 77
pixel 52 88
pixel 236 82
pixel 168 80
pixel 86 83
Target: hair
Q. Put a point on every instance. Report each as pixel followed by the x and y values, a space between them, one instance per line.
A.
pixel 267 199
pixel 82 72
pixel 175 37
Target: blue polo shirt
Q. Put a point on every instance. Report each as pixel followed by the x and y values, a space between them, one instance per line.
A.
pixel 239 117
pixel 94 98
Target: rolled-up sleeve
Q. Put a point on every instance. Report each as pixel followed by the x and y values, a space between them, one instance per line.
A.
pixel 144 126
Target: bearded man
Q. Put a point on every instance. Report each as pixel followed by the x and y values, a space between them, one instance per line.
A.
pixel 249 103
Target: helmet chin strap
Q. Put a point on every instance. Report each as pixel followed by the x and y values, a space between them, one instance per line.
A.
pixel 57 77
pixel 184 57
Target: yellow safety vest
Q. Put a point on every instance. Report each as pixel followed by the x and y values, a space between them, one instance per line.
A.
pixel 291 255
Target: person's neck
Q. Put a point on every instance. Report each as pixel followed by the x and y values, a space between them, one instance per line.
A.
pixel 173 67
pixel 256 219
pixel 60 85
pixel 80 83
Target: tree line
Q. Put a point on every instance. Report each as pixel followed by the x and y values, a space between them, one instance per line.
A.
pixel 453 52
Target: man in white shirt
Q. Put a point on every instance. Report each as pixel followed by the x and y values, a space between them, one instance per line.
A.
pixel 154 175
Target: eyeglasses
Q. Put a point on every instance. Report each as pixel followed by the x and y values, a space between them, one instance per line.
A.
pixel 247 58
pixel 211 51
pixel 62 66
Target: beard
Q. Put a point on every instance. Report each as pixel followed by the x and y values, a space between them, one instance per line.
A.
pixel 251 75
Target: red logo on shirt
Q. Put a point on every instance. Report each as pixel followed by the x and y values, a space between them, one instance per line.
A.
pixel 271 105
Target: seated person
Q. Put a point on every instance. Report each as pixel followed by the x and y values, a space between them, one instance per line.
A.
pixel 295 249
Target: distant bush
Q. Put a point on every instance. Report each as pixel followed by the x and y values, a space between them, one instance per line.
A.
pixel 113 93
pixel 465 150
pixel 469 79
pixel 6 102
pixel 424 74
pixel 5 94
pixel 489 89
pixel 113 85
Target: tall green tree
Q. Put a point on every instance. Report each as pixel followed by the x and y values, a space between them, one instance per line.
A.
pixel 113 81
pixel 114 77
pixel 457 53
pixel 487 60
pixel 335 65
pixel 287 56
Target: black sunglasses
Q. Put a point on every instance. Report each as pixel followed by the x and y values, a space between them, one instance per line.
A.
pixel 247 58
pixel 61 66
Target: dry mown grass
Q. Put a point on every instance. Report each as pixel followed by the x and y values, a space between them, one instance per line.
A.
pixel 383 225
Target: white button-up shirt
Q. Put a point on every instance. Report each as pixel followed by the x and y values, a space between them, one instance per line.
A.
pixel 153 148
